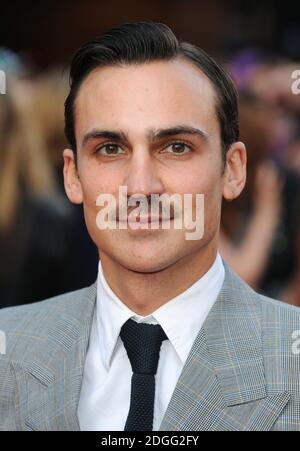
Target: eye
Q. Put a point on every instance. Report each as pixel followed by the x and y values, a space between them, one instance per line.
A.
pixel 109 149
pixel 178 148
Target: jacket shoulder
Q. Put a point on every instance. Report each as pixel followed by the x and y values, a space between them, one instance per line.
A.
pixel 30 329
pixel 279 313
pixel 24 316
pixel 281 351
pixel 280 329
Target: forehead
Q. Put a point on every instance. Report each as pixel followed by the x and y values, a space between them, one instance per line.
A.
pixel 142 96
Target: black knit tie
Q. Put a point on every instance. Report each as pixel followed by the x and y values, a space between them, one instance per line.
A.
pixel 142 343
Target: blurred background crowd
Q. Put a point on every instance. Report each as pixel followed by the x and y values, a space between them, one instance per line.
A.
pixel 44 246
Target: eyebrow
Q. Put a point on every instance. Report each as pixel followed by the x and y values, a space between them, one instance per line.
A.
pixel 178 130
pixel 107 134
pixel 152 135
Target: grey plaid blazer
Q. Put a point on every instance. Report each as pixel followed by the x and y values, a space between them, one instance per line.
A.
pixel 242 373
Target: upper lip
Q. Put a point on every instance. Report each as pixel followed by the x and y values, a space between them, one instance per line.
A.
pixel 145 219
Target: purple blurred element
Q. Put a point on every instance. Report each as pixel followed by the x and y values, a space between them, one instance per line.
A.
pixel 244 64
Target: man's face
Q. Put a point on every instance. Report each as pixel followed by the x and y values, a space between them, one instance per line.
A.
pixel 141 106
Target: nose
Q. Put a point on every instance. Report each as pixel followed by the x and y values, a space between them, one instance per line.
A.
pixel 142 176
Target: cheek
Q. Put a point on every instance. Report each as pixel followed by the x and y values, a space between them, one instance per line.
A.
pixel 95 181
pixel 201 179
pixel 208 182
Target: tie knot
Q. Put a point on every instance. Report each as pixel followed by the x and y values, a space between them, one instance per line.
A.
pixel 142 343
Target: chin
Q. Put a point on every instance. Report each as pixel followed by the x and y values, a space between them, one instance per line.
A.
pixel 145 264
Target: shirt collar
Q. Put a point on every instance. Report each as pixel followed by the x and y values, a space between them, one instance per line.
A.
pixel 181 317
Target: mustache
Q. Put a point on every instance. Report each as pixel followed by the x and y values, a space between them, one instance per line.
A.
pixel 147 207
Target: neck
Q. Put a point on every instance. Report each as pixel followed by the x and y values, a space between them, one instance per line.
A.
pixel 144 293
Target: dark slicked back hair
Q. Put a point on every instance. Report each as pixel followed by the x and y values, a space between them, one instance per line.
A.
pixel 145 42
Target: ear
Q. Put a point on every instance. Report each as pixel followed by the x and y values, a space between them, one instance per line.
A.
pixel 71 179
pixel 235 171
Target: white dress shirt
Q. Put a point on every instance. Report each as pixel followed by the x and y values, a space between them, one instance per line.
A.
pixel 105 391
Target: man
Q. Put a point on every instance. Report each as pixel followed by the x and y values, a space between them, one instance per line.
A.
pixel 168 338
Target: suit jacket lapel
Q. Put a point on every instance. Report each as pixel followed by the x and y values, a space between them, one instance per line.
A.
pixel 49 389
pixel 222 385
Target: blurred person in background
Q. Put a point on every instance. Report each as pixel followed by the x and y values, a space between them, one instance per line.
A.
pixel 50 91
pixel 248 225
pixel 259 230
pixel 32 198
pixel 31 204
